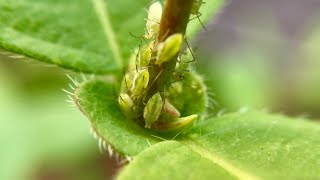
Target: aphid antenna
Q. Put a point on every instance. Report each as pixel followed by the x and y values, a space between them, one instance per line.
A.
pixel 141 38
pixel 191 51
pixel 158 137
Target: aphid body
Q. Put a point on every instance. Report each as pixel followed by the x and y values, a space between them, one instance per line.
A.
pixel 152 110
pixel 153 21
pixel 169 48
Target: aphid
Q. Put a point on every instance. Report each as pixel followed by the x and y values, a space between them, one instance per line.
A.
pixel 196 6
pixel 144 56
pixel 169 48
pixel 140 83
pixel 152 110
pixel 126 104
pixel 195 10
pixel 154 16
pixel 127 82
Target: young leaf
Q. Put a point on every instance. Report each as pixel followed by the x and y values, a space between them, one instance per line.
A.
pixel 97 101
pixel 252 144
pixel 172 160
pixel 88 36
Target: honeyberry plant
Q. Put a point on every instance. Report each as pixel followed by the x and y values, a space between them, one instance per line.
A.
pixel 158 119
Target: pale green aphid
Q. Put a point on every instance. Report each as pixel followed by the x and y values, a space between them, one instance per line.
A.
pixel 126 104
pixel 169 48
pixel 196 6
pixel 140 83
pixel 153 21
pixel 152 110
pixel 127 82
pixel 145 55
pixel 133 60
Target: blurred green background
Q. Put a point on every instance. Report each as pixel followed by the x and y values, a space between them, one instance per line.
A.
pixel 41 135
pixel 256 54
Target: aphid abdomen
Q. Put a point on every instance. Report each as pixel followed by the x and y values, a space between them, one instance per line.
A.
pixel 152 110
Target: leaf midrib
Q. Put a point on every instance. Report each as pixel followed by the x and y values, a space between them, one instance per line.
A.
pixel 216 159
pixel 101 11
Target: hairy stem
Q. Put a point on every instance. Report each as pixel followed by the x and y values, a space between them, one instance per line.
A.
pixel 175 18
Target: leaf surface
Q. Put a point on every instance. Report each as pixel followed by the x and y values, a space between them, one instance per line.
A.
pixel 246 145
pixel 87 35
pixel 90 36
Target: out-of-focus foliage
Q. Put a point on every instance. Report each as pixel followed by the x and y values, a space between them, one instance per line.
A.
pixel 40 135
pixel 259 65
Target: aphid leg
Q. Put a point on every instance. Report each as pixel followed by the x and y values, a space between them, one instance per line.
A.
pixel 191 51
pixel 141 38
pixel 198 17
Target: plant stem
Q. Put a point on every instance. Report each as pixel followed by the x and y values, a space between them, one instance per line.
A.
pixel 175 18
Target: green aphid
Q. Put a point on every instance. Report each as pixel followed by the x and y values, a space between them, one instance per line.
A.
pixel 153 21
pixel 169 48
pixel 145 55
pixel 132 64
pixel 196 6
pixel 126 105
pixel 152 110
pixel 127 82
pixel 175 124
pixel 140 83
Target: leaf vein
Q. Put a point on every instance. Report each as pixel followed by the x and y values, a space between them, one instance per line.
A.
pixel 101 9
pixel 222 163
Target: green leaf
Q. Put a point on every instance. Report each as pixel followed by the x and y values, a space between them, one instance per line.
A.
pixel 88 36
pixel 172 160
pixel 97 101
pixel 245 145
pixel 251 145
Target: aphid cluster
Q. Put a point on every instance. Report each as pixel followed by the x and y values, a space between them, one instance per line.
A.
pixel 164 109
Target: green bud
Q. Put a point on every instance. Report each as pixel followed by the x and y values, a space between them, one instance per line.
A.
pixel 152 110
pixel 169 48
